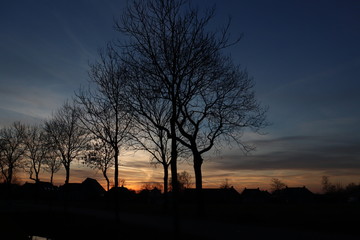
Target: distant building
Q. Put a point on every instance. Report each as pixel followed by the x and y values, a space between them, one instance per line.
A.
pixel 294 195
pixel 255 196
pixel 93 187
pixel 89 189
pixel 38 191
pixel 153 196
pixel 121 194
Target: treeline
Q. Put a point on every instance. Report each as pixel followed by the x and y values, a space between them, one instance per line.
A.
pixel 165 86
pixel 48 146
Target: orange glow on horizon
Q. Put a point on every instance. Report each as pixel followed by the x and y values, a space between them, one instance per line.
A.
pixel 137 172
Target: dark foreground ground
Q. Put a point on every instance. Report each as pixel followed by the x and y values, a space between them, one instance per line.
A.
pixel 19 220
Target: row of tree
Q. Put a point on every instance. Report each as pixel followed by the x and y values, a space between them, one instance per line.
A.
pixel 168 89
pixel 47 146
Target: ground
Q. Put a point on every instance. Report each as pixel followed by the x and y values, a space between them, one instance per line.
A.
pixel 20 219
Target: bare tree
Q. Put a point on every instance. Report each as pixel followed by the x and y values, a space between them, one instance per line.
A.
pixel 11 150
pixel 35 150
pixel 104 112
pixel 225 184
pixel 329 187
pixel 218 111
pixel 155 141
pixel 150 186
pixel 151 135
pixel 277 184
pixel 52 163
pixel 100 156
pixel 184 180
pixel 152 60
pixel 172 55
pixel 66 137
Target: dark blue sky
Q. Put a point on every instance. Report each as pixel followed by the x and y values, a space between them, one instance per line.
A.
pixel 304 57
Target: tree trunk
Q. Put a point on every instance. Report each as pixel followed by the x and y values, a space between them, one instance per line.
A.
pixel 37 176
pixel 67 170
pixel 198 161
pixel 198 181
pixel 174 154
pixel 107 180
pixel 198 176
pixel 9 175
pixel 116 184
pixel 166 178
pixel 51 177
pixel 37 172
pixel 31 176
pixel 173 166
pixel 116 174
pixel 166 187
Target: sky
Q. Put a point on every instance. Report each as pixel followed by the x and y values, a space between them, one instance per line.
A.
pixel 304 57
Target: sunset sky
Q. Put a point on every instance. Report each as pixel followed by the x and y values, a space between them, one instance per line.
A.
pixel 304 57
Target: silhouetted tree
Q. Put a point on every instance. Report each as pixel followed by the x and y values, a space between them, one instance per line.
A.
pixel 52 162
pixel 103 109
pixel 36 149
pixel 122 182
pixel 154 62
pixel 184 180
pixel 100 156
pixel 329 187
pixel 155 141
pixel 225 184
pixel 219 110
pixel 11 150
pixel 66 137
pixel 326 185
pixel 353 187
pixel 149 135
pixel 276 184
pixel 171 55
pixel 150 186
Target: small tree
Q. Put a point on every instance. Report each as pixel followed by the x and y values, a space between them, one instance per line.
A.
pixel 66 137
pixel 36 150
pixel 276 185
pixel 225 184
pixel 184 180
pixel 52 163
pixel 151 135
pixel 100 156
pixel 329 187
pixel 155 141
pixel 11 150
pixel 150 186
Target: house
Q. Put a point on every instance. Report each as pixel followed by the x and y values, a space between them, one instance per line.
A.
pixel 89 189
pixel 153 196
pixel 92 188
pixel 121 194
pixel 294 195
pixel 38 191
pixel 256 195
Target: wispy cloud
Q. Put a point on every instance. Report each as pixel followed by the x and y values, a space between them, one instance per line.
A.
pixel 296 153
pixel 29 100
